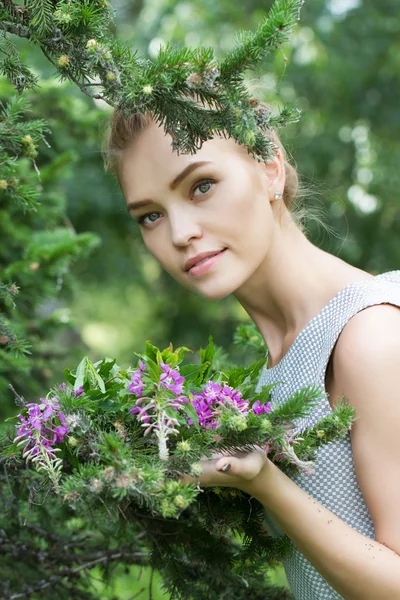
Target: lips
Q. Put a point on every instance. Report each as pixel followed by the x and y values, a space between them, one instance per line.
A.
pixel 191 262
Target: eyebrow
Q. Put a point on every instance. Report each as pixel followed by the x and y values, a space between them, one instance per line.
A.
pixel 173 185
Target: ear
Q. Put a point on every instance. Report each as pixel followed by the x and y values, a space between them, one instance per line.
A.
pixel 274 170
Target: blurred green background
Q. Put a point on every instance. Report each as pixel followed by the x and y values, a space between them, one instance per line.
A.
pixel 341 67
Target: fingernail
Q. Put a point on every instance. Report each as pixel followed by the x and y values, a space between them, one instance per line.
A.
pixel 226 467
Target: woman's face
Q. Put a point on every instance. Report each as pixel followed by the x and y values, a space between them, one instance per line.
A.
pixel 216 201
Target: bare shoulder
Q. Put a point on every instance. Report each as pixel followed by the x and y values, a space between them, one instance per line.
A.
pixel 366 369
pixel 368 341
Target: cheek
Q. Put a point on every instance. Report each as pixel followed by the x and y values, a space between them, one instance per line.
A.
pixel 249 217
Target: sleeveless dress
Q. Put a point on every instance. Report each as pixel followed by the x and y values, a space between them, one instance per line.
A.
pixel 335 483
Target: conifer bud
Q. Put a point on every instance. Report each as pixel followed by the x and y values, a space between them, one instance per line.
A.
pixel 183 446
pixel 27 140
pixel 238 422
pixel 210 76
pixel 194 80
pixel 63 61
pixel 167 509
pixel 147 89
pixel 73 441
pixel 110 76
pixel 13 289
pixel 124 481
pixel 95 485
pixel 320 434
pixel 31 151
pixel 197 469
pixel 3 185
pixel 3 340
pixel 108 473
pixel 180 501
pixel 34 266
pixel 91 45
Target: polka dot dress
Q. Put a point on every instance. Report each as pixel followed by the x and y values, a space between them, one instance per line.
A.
pixel 334 484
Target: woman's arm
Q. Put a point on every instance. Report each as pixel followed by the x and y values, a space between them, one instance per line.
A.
pixel 355 566
pixel 366 370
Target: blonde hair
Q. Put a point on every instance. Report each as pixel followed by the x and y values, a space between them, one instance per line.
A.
pixel 122 133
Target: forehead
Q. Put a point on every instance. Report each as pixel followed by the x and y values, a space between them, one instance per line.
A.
pixel 152 154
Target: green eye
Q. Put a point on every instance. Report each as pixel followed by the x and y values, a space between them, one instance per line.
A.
pixel 200 186
pixel 148 216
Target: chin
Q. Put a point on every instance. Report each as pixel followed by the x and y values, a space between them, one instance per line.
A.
pixel 213 291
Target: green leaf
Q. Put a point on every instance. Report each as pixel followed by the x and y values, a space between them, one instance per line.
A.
pixel 81 373
pixel 190 410
pixel 190 371
pixel 151 351
pixel 69 376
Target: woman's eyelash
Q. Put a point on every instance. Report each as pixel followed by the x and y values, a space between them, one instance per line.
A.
pixel 198 184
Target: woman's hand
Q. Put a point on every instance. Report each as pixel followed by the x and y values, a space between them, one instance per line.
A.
pixel 236 470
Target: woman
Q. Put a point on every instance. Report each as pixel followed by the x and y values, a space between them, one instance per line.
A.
pixel 220 223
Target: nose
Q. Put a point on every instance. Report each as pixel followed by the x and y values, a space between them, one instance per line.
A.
pixel 184 227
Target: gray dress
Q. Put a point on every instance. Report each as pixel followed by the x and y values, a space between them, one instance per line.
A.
pixel 335 483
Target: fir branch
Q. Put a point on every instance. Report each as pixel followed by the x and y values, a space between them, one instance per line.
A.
pixel 189 92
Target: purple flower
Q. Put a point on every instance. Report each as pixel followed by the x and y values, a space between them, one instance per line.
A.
pixel 213 395
pixel 171 379
pixel 258 408
pixel 38 432
pixel 35 417
pixel 137 386
pixel 51 405
pixel 79 391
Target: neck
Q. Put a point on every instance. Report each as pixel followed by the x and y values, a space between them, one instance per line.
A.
pixel 294 282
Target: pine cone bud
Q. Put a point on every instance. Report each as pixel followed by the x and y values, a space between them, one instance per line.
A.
pixel 3 185
pixel 210 76
pixel 3 340
pixel 238 422
pixel 27 140
pixel 194 80
pixel 95 485
pixel 13 289
pixel 31 151
pixel 108 473
pixel 63 60
pixel 180 501
pixel 184 446
pixel 147 89
pixel 167 509
pixel 73 441
pixel 91 45
pixel 34 266
pixel 124 481
pixel 197 469
pixel 110 76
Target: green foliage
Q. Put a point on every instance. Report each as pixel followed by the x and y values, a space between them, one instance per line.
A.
pixel 76 38
pixel 109 471
pixel 37 249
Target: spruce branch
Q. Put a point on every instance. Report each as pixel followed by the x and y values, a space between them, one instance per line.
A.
pixel 190 93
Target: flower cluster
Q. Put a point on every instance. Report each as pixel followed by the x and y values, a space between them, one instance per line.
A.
pixel 152 411
pixel 214 395
pixel 153 415
pixel 38 432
